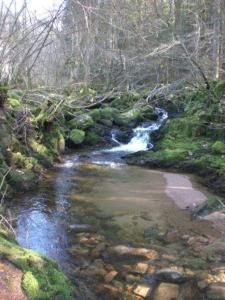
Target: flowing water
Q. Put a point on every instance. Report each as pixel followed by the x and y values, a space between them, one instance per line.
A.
pixel 125 204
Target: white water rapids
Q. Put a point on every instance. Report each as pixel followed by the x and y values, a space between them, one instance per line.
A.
pixel 141 139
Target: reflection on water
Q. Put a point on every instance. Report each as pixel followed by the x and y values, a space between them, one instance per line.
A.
pixel 121 201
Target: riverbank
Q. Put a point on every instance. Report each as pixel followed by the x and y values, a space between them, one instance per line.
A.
pixel 192 140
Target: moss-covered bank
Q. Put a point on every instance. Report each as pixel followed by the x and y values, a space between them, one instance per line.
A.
pixel 42 278
pixel 193 140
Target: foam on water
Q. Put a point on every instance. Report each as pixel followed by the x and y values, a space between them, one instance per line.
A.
pixel 141 139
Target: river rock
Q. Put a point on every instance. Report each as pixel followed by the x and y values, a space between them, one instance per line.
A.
pixel 142 290
pixel 132 278
pixel 166 291
pixel 167 275
pixel 77 228
pixel 126 250
pixel 216 291
pixel 110 276
pixel 140 268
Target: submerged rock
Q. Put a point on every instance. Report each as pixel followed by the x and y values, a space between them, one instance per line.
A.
pixel 216 291
pixel 166 291
pixel 142 290
pixel 125 250
pixel 168 275
pixel 82 228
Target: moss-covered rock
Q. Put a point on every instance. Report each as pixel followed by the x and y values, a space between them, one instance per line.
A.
pixel 82 122
pixel 77 136
pixel 92 138
pixel 24 162
pixel 42 279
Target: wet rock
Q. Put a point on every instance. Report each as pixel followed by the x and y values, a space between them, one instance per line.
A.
pixel 202 285
pixel 189 291
pixel 110 276
pixel 170 258
pixel 151 270
pixel 166 291
pixel 216 291
pixel 130 251
pixel 95 253
pixel 132 278
pixel 109 267
pixel 172 237
pixel 79 251
pixel 167 275
pixel 77 228
pixel 140 268
pixel 142 290
pixel 96 269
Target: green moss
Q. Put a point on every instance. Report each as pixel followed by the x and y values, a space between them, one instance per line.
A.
pixel 22 179
pixel 92 138
pixel 42 151
pixel 83 122
pixel 170 155
pixel 42 278
pixel 77 136
pixel 218 147
pixel 14 103
pixel 107 122
pixel 125 101
pixel 61 143
pixel 21 161
pixel 95 114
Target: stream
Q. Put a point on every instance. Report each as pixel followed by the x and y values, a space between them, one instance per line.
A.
pixel 93 202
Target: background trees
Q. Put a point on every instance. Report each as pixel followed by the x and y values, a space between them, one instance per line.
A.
pixel 124 44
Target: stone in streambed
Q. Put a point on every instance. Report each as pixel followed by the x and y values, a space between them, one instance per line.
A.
pixel 142 290
pixel 167 275
pixel 216 291
pixel 140 268
pixel 77 228
pixel 166 291
pixel 110 276
pixel 131 251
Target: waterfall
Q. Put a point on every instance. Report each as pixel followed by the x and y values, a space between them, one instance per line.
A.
pixel 141 139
